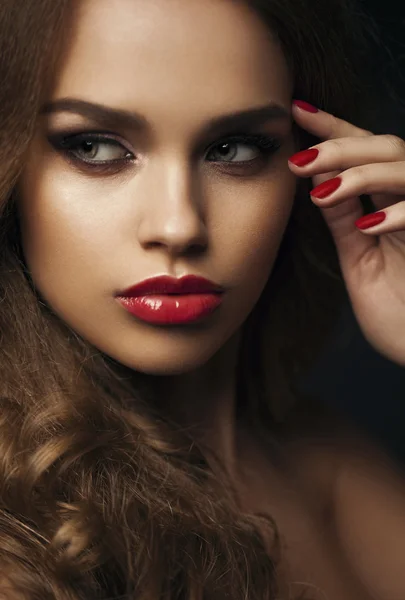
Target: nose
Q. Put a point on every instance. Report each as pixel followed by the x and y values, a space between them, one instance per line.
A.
pixel 172 214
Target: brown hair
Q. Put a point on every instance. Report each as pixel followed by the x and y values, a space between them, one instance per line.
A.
pixel 100 495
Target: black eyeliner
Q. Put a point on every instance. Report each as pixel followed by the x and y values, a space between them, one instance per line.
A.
pixel 67 142
pixel 262 141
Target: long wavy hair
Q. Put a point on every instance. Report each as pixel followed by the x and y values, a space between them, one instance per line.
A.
pixel 101 494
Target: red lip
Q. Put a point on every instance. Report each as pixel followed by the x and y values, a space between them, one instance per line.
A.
pixel 189 284
pixel 166 300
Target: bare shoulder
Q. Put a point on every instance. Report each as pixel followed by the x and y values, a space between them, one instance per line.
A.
pixel 362 489
pixel 369 513
pixel 318 440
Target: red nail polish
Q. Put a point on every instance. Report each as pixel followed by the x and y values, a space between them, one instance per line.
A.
pixel 371 220
pixel 304 158
pixel 305 106
pixel 326 188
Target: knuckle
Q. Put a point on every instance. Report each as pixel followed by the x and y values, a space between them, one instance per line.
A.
pixel 363 173
pixel 334 127
pixel 396 143
pixel 365 133
pixel 336 146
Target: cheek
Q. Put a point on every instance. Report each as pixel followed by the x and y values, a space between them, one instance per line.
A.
pixel 252 229
pixel 62 232
pixel 62 214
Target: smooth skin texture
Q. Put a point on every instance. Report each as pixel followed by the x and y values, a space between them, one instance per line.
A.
pixel 172 204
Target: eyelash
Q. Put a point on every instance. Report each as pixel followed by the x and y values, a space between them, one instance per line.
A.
pixel 67 144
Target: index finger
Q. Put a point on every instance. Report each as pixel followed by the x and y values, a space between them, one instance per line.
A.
pixel 323 125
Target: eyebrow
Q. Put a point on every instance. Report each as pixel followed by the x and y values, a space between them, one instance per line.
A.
pixel 112 117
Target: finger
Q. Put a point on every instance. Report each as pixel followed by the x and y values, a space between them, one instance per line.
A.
pixel 351 245
pixel 318 179
pixel 391 220
pixel 343 153
pixel 342 208
pixel 383 178
pixel 323 124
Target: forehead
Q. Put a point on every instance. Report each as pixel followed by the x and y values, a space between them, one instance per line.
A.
pixel 200 53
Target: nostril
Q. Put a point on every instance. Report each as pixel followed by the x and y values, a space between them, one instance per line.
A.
pixel 196 249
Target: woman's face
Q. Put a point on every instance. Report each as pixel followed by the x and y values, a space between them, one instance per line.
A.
pixel 187 175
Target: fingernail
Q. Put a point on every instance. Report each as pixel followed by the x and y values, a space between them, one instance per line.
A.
pixel 305 106
pixel 304 158
pixel 326 188
pixel 371 220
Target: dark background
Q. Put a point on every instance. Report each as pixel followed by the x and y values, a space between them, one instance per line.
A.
pixel 350 374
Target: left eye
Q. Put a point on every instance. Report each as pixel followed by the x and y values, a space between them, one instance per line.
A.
pixel 228 151
pixel 244 148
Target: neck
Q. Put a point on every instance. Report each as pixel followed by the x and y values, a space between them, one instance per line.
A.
pixel 204 402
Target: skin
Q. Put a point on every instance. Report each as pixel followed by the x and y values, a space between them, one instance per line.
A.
pixel 86 235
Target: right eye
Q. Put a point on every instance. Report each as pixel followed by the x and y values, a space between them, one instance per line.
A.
pixel 92 149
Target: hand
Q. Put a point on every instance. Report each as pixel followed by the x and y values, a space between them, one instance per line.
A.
pixel 351 162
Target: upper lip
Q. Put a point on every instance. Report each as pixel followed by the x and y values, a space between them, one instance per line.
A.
pixel 164 284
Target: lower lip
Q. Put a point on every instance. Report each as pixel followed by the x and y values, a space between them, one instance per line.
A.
pixel 167 309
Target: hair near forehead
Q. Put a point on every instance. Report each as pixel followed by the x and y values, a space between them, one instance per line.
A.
pixel 100 496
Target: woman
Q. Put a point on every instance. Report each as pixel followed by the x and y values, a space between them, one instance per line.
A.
pixel 166 276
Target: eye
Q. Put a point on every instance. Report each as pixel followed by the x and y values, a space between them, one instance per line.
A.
pixel 244 148
pixel 92 149
pixel 99 151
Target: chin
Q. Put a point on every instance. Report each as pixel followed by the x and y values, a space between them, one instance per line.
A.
pixel 166 367
pixel 165 364
pixel 167 352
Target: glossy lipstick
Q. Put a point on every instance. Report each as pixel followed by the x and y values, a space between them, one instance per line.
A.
pixel 166 300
